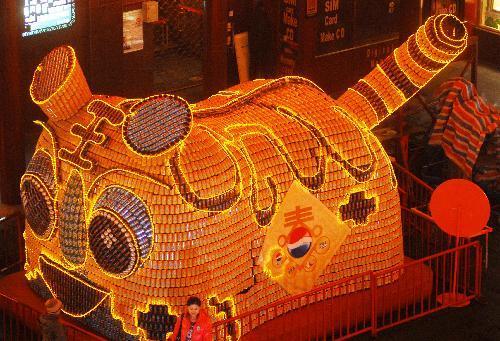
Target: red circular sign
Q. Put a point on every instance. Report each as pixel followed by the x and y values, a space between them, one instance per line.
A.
pixel 460 207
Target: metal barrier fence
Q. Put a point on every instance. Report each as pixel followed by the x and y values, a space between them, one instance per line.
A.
pixel 179 46
pixel 438 276
pixel 20 322
pixel 185 25
pixel 456 279
pixel 12 250
pixel 413 192
pixel 336 312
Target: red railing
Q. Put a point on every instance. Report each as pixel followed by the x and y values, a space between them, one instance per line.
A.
pixel 11 233
pixel 20 322
pixel 363 303
pixel 438 276
pixel 369 302
pixel 413 192
pixel 456 279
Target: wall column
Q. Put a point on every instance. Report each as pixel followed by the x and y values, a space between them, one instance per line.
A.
pixel 12 163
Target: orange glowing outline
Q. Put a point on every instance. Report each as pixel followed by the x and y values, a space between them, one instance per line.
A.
pixel 101 175
pixel 428 50
pixel 426 81
pixel 134 113
pixel 52 226
pixel 257 89
pixel 229 155
pixel 421 67
pixel 96 122
pixel 362 129
pixel 53 163
pixel 137 257
pixel 376 114
pixel 148 212
pixel 441 30
pixel 221 315
pixel 388 107
pixel 412 81
pixel 39 68
pixel 127 100
pixel 226 93
pixel 345 201
pixel 60 268
pixel 391 84
pixel 54 149
pixel 151 301
pixel 141 176
pixel 85 213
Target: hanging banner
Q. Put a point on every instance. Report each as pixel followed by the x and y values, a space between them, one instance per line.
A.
pixel 289 46
pixel 301 240
pixel 133 37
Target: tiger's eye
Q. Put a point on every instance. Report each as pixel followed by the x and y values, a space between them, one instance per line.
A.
pixel 38 206
pixel 157 124
pixel 120 231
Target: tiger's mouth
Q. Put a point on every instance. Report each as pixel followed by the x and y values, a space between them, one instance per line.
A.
pixel 79 296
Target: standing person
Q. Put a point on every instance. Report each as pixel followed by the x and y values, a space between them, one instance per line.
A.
pixel 51 327
pixel 196 324
pixel 261 38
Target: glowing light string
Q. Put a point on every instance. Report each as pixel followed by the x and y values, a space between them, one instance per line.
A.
pixel 273 84
pixel 100 111
pixel 131 230
pixel 55 147
pixel 218 203
pixel 73 224
pixel 103 293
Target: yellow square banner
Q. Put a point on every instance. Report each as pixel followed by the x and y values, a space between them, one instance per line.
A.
pixel 301 240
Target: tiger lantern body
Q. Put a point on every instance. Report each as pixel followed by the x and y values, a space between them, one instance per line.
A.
pixel 133 205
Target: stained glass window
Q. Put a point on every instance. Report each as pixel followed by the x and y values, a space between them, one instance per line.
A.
pixel 496 5
pixel 47 15
pixel 490 14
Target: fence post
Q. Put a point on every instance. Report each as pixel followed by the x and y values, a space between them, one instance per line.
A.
pixel 373 288
pixel 20 238
pixel 479 268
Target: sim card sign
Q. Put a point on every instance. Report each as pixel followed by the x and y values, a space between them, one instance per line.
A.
pixel 301 240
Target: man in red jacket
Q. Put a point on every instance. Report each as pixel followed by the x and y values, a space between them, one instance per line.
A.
pixel 196 324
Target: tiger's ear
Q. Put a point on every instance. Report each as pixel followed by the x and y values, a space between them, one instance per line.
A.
pixel 59 87
pixel 157 124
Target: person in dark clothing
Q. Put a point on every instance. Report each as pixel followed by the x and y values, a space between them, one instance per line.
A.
pixel 261 42
pixel 51 327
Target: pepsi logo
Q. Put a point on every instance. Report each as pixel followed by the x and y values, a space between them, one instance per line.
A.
pixel 299 242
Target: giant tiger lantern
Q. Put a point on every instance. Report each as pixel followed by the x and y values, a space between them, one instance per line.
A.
pixel 132 205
